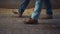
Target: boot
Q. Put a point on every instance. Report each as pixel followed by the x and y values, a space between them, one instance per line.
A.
pixel 30 21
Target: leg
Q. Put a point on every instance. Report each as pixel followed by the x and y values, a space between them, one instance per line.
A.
pixel 48 8
pixel 37 9
pixel 36 13
pixel 23 6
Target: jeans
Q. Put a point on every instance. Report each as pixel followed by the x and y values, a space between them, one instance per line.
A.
pixel 23 6
pixel 38 7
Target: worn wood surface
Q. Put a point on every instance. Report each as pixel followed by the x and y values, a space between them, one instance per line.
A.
pixel 12 24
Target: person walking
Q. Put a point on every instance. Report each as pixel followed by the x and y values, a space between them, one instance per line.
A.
pixel 37 11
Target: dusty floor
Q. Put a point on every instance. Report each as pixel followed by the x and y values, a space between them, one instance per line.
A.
pixel 12 24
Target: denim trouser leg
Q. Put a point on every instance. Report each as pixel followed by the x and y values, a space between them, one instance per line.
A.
pixel 48 7
pixel 38 7
pixel 23 6
pixel 37 10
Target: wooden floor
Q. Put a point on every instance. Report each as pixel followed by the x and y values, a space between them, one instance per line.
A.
pixel 12 24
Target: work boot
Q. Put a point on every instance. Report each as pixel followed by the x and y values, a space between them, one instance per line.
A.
pixel 20 14
pixel 48 17
pixel 30 21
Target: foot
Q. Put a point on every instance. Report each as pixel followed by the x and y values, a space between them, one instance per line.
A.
pixel 15 12
pixel 30 21
pixel 20 15
pixel 47 17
